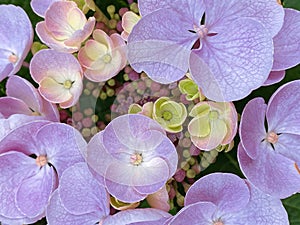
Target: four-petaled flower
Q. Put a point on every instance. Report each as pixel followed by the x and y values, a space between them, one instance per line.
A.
pixel 134 157
pixel 269 155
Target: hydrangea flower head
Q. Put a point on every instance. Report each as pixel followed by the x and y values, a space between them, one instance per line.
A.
pixel 59 76
pixel 65 27
pixel 16 36
pixel 222 198
pixel 23 98
pixel 214 124
pixel 79 198
pixel 103 57
pixel 232 51
pixel 269 155
pixel 134 157
pixel 33 158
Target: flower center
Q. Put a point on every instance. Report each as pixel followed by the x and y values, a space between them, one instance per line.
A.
pixel 202 31
pixel 106 58
pixel 136 159
pixel 218 223
pixel 213 115
pixel 13 58
pixel 167 115
pixel 41 160
pixel 68 84
pixel 272 137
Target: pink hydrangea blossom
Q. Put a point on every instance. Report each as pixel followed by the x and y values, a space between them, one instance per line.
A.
pixel 16 35
pixel 134 157
pixel 23 98
pixel 32 159
pixel 59 76
pixel 103 57
pixel 270 143
pixel 65 27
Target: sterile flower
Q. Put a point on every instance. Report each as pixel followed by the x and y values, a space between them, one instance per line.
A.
pixel 286 46
pixel 270 142
pixel 129 20
pixel 23 98
pixel 59 76
pixel 102 57
pixel 79 198
pixel 134 157
pixel 223 198
pixel 214 123
pixel 169 114
pixel 32 159
pixel 16 36
pixel 65 27
pixel 40 7
pixel 232 50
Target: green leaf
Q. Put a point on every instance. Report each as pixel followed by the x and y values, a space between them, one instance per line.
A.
pixel 295 4
pixel 292 206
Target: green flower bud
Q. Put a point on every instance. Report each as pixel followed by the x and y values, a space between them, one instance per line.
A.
pixel 169 114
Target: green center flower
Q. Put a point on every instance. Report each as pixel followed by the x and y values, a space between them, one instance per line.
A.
pixel 68 84
pixel 167 115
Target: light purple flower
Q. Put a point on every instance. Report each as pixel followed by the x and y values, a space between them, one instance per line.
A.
pixel 137 216
pixel 59 76
pixel 40 6
pixel 286 46
pixel 134 157
pixel 235 53
pixel 223 198
pixel 16 35
pixel 65 27
pixel 23 98
pixel 79 198
pixel 270 142
pixel 32 159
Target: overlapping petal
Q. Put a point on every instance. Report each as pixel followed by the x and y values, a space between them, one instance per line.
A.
pixel 252 136
pixel 287 42
pixel 40 6
pixel 283 112
pixel 221 190
pixel 161 48
pixel 16 37
pixel 239 59
pixel 271 172
pixel 138 216
pixel 134 157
